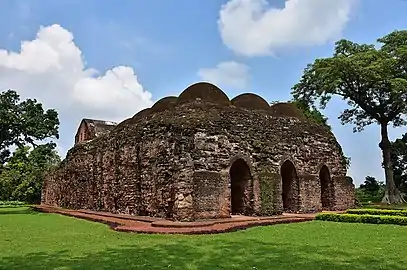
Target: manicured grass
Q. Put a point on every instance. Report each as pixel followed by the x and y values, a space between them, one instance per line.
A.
pixel 30 240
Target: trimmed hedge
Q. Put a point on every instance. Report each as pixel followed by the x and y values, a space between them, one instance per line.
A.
pixel 4 204
pixel 378 212
pixel 357 218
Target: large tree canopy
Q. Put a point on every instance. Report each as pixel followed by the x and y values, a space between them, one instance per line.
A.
pixel 22 177
pixel 24 122
pixel 373 81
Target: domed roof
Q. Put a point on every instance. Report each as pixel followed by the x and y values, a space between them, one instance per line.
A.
pixel 125 122
pixel 142 113
pixel 163 104
pixel 250 101
pixel 205 92
pixel 286 110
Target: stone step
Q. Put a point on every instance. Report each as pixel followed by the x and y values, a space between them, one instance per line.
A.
pixel 127 223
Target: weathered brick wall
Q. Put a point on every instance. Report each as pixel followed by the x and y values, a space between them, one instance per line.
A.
pixel 310 191
pixel 82 133
pixel 176 164
pixel 344 192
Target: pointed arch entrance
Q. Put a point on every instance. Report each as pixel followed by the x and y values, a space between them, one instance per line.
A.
pixel 240 179
pixel 290 187
pixel 327 194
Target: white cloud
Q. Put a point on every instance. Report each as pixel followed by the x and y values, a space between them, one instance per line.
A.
pixel 229 73
pixel 118 86
pixel 254 28
pixel 51 68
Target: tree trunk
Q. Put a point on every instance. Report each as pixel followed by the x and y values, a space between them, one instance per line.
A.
pixel 392 194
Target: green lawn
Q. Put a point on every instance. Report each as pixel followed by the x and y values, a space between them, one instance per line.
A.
pixel 30 240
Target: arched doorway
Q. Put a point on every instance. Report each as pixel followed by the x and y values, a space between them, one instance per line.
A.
pixel 290 191
pixel 240 177
pixel 327 195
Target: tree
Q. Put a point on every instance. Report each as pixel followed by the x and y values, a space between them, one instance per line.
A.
pixel 371 186
pixel 373 81
pixel 24 122
pixel 399 162
pixel 370 191
pixel 22 177
pixel 312 113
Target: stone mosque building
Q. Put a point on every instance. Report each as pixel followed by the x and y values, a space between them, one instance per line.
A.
pixel 203 156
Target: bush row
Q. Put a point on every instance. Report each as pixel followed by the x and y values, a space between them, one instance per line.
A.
pixel 357 218
pixel 11 203
pixel 378 212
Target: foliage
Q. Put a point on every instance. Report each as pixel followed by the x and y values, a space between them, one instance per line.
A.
pixel 399 161
pixel 48 241
pixel 357 218
pixel 4 204
pixel 22 177
pixel 312 113
pixel 366 199
pixel 371 190
pixel 24 122
pixel 386 206
pixel 372 80
pixel 378 212
pixel 371 185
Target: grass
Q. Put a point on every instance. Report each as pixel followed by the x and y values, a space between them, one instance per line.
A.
pixel 30 240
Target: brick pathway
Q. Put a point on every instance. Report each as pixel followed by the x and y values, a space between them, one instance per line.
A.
pixel 142 224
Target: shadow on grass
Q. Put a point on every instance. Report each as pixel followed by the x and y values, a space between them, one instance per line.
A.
pixel 17 210
pixel 213 254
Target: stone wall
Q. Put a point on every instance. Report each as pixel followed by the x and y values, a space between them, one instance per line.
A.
pixel 176 164
pixel 310 191
pixel 344 192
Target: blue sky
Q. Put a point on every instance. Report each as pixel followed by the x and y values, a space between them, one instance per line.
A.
pixel 108 60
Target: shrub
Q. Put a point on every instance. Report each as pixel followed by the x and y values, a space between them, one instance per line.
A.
pixel 378 212
pixel 365 218
pixel 7 204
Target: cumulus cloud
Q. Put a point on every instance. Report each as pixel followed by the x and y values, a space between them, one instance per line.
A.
pixel 228 73
pixel 254 28
pixel 51 68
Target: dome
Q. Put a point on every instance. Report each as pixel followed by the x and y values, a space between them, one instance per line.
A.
pixel 163 104
pixel 286 110
pixel 142 113
pixel 125 122
pixel 205 92
pixel 250 101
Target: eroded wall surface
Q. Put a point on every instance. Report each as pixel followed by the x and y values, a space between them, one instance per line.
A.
pixel 176 163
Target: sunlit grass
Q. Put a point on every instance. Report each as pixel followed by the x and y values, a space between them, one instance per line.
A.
pixel 31 240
